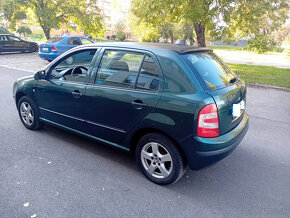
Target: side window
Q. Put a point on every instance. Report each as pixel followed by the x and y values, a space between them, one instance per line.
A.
pixel 85 41
pixel 119 68
pixel 74 67
pixel 14 39
pixel 148 78
pixel 74 41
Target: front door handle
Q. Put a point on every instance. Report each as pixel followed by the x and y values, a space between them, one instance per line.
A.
pixel 138 104
pixel 76 93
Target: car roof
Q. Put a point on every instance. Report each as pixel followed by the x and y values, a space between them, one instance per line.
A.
pixel 181 49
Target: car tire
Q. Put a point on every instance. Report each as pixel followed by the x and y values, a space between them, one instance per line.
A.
pixel 159 159
pixel 28 113
pixel 33 48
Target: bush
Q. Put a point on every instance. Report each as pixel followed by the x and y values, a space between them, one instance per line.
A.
pixel 258 44
pixel 114 37
pixel 108 37
pixel 121 36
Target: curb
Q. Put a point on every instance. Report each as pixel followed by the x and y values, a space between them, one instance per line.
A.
pixel 255 85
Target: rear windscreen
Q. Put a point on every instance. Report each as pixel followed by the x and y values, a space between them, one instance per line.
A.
pixel 211 71
pixel 54 39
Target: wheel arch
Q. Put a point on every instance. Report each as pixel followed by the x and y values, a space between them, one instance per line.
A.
pixel 18 96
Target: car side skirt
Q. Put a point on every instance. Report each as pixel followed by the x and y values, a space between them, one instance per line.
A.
pixel 84 134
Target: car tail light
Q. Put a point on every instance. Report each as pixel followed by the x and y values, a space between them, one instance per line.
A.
pixel 208 122
pixel 53 48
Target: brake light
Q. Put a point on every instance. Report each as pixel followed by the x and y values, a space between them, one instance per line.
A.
pixel 53 48
pixel 208 122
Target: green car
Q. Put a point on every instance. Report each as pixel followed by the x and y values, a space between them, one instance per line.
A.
pixel 173 106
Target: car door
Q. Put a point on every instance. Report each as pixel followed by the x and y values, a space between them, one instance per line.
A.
pixel 7 45
pixel 60 97
pixel 122 93
pixel 17 44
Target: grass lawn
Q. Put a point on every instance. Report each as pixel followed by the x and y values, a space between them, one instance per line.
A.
pixel 262 74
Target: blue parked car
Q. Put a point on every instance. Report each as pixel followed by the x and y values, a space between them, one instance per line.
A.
pixel 58 45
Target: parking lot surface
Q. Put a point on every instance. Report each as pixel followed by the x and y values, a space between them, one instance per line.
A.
pixel 53 173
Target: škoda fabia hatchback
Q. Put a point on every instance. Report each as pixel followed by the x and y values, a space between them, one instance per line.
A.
pixel 173 106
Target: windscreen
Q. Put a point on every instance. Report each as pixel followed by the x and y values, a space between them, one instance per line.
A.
pixel 210 70
pixel 54 39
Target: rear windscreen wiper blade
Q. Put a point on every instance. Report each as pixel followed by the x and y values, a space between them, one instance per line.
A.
pixel 233 80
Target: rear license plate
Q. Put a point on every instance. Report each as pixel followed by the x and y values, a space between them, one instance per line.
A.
pixel 237 109
pixel 44 49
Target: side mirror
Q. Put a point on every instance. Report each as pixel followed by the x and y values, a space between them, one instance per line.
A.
pixel 40 75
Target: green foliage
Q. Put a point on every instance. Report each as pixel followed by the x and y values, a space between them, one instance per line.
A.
pixel 121 36
pixel 258 44
pixel 23 30
pixel 114 37
pixel 4 31
pixel 233 18
pixel 51 14
pixel 146 32
pixel 170 31
pixel 108 37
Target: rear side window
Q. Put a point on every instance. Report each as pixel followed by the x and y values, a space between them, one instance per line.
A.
pixel 119 68
pixel 54 39
pixel 210 70
pixel 148 78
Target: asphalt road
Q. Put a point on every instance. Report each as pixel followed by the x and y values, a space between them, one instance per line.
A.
pixel 64 175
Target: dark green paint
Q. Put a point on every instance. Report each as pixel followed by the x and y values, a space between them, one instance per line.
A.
pixel 106 114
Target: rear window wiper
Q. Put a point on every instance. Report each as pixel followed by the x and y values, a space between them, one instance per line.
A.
pixel 233 80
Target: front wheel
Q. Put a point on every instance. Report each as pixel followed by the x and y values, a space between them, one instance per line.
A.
pixel 28 113
pixel 159 159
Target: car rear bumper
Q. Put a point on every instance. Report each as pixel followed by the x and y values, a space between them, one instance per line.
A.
pixel 204 152
pixel 48 56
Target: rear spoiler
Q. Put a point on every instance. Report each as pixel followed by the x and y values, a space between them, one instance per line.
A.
pixel 194 50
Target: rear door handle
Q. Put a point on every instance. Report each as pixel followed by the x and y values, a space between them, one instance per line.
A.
pixel 138 104
pixel 76 93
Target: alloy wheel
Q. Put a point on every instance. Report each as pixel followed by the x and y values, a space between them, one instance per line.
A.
pixel 156 160
pixel 26 113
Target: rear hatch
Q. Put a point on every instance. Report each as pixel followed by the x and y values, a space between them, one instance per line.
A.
pixel 225 87
pixel 46 47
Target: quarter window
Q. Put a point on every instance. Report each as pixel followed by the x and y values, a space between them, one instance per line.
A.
pixel 148 78
pixel 119 68
pixel 74 67
pixel 85 41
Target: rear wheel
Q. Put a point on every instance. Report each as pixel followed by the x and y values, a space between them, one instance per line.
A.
pixel 159 159
pixel 28 113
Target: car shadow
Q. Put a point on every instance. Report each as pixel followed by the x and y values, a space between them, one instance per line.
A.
pixel 97 148
pixel 15 53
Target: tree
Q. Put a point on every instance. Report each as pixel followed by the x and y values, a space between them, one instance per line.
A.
pixel 170 31
pixel 51 14
pixel 23 30
pixel 145 32
pixel 120 29
pixel 206 15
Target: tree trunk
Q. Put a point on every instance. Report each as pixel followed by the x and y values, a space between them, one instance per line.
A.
pixel 172 39
pixel 46 32
pixel 199 31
